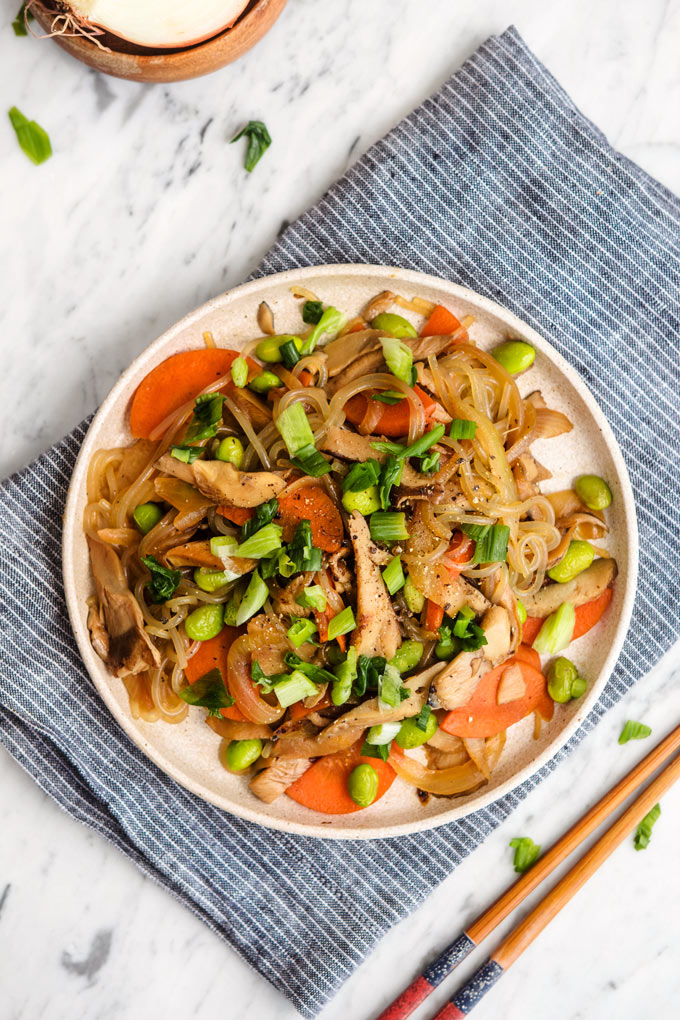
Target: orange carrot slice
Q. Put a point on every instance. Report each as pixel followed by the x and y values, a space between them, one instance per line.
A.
pixel 210 655
pixel 441 323
pixel 434 615
pixel 591 613
pixel 310 503
pixel 394 418
pixel 323 787
pixel 482 716
pixel 587 616
pixel 525 653
pixel 298 710
pixel 172 383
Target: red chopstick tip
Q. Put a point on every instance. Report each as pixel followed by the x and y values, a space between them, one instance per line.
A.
pixel 449 1012
pixel 409 1000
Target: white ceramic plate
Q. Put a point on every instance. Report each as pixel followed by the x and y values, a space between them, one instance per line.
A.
pixel 188 752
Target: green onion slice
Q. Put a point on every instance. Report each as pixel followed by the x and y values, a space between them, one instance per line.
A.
pixel 361 476
pixel 398 358
pixel 32 138
pixel 262 543
pixel 313 597
pixel 209 691
pixel 239 372
pixel 259 141
pixel 462 428
pixel 526 853
pixel 301 631
pixel 342 623
pixel 388 526
pixel 256 594
pixel 557 631
pixel 393 576
pixel 634 731
pixel 643 833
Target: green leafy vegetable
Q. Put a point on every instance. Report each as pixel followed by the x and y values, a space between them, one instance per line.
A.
pixel 361 476
pixel 315 673
pixel 209 691
pixel 423 717
pixel 301 632
pixel 187 454
pixel 393 576
pixel 369 670
pixel 557 631
pixel 302 551
pixel 388 397
pixel 33 139
pixel 295 688
pixel 526 853
pixel 491 542
pixel 262 543
pixel 643 833
pixel 330 322
pixel 391 475
pixel 313 597
pixel 266 681
pixel 312 312
pixel 259 141
pixel 264 514
pixel 634 731
pixel 164 582
pixel 388 526
pixel 295 430
pixel 381 751
pixel 461 428
pixel 390 689
pixel 206 417
pixel 398 358
pixel 342 623
pixel 430 463
pixel 416 449
pixel 309 460
pixel 19 23
pixel 256 594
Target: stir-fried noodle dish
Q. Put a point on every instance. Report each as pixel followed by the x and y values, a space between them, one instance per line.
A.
pixel 333 545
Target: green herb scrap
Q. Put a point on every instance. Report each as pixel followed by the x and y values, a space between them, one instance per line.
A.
pixel 209 691
pixel 164 582
pixel 643 833
pixel 526 853
pixel 259 141
pixel 33 139
pixel 19 23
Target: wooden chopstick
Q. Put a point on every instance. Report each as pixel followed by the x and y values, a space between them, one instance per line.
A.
pixel 462 946
pixel 467 997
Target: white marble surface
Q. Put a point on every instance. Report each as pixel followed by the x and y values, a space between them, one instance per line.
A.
pixel 143 213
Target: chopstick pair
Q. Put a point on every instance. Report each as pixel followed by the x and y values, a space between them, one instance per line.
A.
pixel 464 1000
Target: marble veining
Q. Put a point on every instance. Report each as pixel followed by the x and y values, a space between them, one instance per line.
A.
pixel 144 212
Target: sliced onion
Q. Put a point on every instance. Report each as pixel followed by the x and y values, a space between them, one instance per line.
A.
pixel 242 688
pixel 445 782
pixel 160 23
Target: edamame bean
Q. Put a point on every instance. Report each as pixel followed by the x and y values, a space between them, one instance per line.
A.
pixel 593 491
pixel 146 516
pixel 407 656
pixel 362 785
pixel 395 325
pixel 230 450
pixel 414 599
pixel 269 349
pixel 577 558
pixel 521 612
pixel 264 382
pixel 410 735
pixel 514 355
pixel 241 754
pixel 564 683
pixel 204 623
pixel 210 580
pixel 367 501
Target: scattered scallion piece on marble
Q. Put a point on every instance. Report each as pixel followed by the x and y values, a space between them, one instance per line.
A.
pixel 259 141
pixel 33 139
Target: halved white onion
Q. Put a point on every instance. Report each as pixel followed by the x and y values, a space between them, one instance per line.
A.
pixel 160 23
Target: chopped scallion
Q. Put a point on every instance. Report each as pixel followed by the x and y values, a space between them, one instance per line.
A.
pixel 256 594
pixel 295 430
pixel 526 853
pixel 557 631
pixel 206 417
pixel 330 322
pixel 461 428
pixel 187 454
pixel 262 543
pixel 388 526
pixel 302 551
pixel 239 372
pixel 398 357
pixel 491 542
pixel 209 691
pixel 313 597
pixel 309 460
pixel 294 689
pixel 383 734
pixel 388 397
pixel 643 833
pixel 361 476
pixel 259 141
pixel 32 138
pixel 301 631
pixel 312 312
pixel 390 688
pixel 393 576
pixel 634 731
pixel 289 354
pixel 342 623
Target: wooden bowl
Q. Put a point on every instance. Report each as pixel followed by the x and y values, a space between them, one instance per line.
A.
pixel 139 63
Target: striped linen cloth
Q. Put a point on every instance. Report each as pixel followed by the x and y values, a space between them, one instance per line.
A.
pixel 499 183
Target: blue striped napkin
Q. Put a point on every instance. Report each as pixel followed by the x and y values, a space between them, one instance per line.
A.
pixel 499 183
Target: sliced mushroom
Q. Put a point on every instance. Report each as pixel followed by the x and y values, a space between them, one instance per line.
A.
pixel 193 554
pixel 456 684
pixel 169 465
pixel 258 413
pixel 584 588
pixel 361 353
pixel 130 649
pixel 377 631
pixel 275 779
pixel 220 481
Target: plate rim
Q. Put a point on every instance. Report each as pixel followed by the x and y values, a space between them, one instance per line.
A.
pixel 411 277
